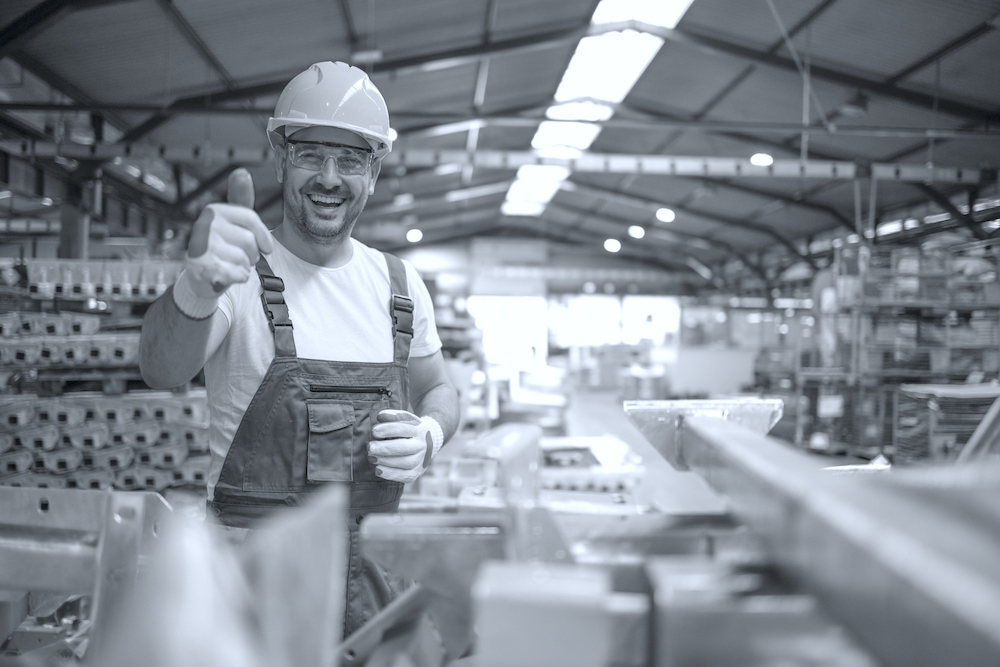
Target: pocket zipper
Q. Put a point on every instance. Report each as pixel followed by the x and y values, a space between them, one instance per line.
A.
pixel 384 391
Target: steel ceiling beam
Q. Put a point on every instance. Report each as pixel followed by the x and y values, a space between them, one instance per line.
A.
pixel 32 22
pixel 829 74
pixel 941 200
pixel 651 206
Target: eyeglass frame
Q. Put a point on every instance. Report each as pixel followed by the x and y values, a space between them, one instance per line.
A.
pixel 289 150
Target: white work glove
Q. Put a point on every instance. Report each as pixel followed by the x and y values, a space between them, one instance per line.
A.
pixel 404 445
pixel 226 242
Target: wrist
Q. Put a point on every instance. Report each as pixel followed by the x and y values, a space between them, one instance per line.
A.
pixel 189 301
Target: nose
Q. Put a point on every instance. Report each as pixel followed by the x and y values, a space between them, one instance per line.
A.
pixel 328 174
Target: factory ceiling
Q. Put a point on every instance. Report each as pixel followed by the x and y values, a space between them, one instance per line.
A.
pixel 871 110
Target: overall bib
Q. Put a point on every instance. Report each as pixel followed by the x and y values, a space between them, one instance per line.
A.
pixel 310 423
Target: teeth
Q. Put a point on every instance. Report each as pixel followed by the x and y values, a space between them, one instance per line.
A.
pixel 325 199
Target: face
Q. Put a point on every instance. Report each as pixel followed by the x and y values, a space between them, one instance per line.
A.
pixel 323 205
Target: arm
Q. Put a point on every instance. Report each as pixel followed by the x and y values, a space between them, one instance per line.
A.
pixel 432 393
pixel 184 327
pixel 173 347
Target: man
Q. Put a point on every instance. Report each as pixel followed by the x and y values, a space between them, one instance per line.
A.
pixel 315 346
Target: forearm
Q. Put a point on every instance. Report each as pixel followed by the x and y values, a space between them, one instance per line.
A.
pixel 173 347
pixel 441 404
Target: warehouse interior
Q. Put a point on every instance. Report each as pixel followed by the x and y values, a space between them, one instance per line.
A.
pixel 716 282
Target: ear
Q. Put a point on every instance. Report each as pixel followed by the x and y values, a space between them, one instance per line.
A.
pixel 376 169
pixel 279 162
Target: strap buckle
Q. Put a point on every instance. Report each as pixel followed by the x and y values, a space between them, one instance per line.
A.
pixel 402 314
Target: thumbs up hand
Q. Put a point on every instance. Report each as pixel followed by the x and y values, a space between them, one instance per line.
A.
pixel 226 242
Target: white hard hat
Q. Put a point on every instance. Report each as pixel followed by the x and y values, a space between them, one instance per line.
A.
pixel 333 94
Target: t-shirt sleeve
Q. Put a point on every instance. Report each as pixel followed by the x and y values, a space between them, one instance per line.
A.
pixel 425 336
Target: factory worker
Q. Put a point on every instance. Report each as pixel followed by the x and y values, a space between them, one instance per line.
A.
pixel 322 360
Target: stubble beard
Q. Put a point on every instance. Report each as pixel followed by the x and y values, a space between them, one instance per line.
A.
pixel 323 233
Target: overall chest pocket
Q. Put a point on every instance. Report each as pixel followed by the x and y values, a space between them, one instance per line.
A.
pixel 331 431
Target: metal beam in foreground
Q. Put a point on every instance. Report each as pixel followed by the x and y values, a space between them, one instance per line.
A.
pixel 909 561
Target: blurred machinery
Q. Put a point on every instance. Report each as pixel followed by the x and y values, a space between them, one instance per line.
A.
pixel 568 551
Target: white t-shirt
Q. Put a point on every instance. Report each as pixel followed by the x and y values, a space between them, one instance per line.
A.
pixel 339 314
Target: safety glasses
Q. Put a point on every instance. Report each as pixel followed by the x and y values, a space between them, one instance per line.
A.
pixel 312 156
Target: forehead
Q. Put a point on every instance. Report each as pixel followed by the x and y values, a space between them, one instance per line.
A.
pixel 332 135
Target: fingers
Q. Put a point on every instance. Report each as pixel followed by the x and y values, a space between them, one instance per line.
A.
pixel 411 462
pixel 395 430
pixel 398 447
pixel 246 218
pixel 395 475
pixel 240 188
pixel 398 416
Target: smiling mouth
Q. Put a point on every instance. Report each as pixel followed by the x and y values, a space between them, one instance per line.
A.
pixel 326 201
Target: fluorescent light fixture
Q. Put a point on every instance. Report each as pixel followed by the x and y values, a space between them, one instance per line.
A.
pixel 404 199
pixel 414 235
pixel 531 208
pixel 665 215
pixel 664 13
pixel 4 194
pixel 536 191
pixel 636 232
pixel 543 172
pixel 133 170
pixel 476 191
pixel 367 56
pixel 584 111
pixel 559 152
pixel 911 223
pixel 447 168
pixel 605 67
pixel 612 245
pixel 761 160
pixel 558 133
pixel 154 182
pixel 46 201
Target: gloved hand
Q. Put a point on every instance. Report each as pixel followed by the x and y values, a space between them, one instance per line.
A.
pixel 404 445
pixel 226 242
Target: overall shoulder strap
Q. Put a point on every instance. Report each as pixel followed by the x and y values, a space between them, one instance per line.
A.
pixel 401 309
pixel 276 310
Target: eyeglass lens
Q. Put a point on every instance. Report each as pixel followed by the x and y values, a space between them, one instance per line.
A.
pixel 312 156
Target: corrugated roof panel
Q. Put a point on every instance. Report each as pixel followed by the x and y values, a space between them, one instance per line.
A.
pixel 518 80
pixel 748 23
pixel 520 17
pixel 886 37
pixel 682 79
pixel 414 28
pixel 252 38
pixel 128 52
pixel 963 75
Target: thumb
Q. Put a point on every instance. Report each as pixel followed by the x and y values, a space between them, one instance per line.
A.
pixel 398 416
pixel 240 188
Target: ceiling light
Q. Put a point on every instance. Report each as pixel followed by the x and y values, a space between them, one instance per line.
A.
pixel 367 56
pixel 414 235
pixel 612 245
pixel 393 135
pixel 589 287
pixel 559 152
pixel 475 191
pixel 761 160
pixel 133 171
pixel 605 67
pixel 665 215
pixel 585 111
pixel 543 172
pixel 537 191
pixel 855 107
pixel 636 232
pixel 664 13
pixel 46 201
pixel 404 199
pixel 4 194
pixel 447 168
pixel 559 133
pixel 531 208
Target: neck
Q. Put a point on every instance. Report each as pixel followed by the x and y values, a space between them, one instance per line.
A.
pixel 330 253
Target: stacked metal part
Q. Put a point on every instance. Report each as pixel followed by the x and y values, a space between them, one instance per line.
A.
pixel 139 441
